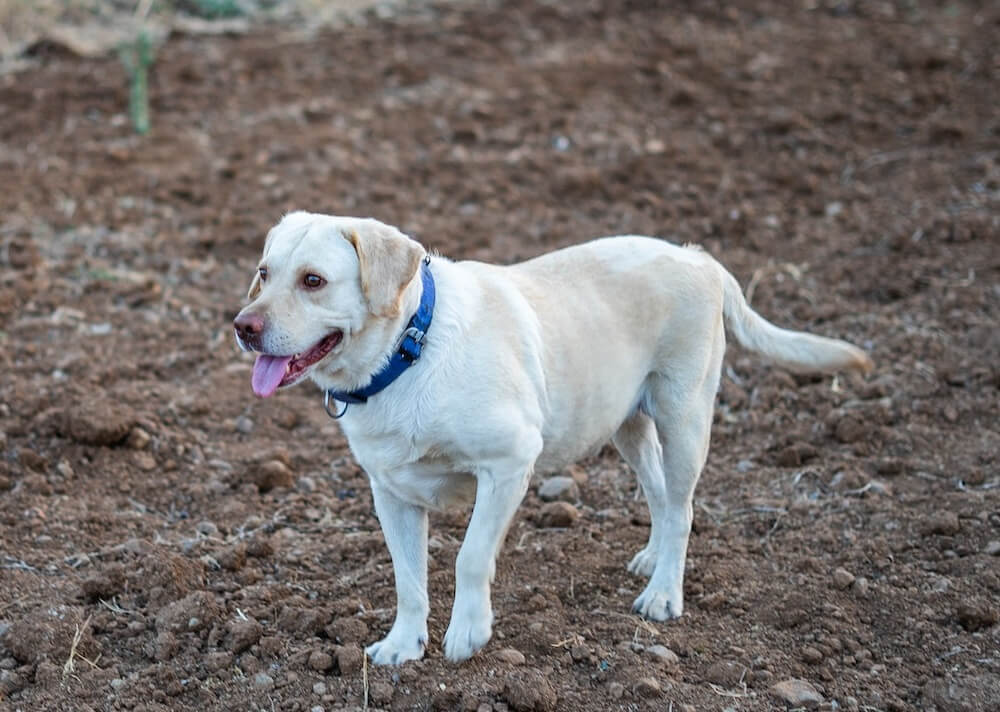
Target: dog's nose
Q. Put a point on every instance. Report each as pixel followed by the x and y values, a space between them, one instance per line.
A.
pixel 249 327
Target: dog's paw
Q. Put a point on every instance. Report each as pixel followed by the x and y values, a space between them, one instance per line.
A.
pixel 396 649
pixel 658 605
pixel 464 637
pixel 643 563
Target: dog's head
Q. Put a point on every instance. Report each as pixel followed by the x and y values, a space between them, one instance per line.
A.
pixel 327 300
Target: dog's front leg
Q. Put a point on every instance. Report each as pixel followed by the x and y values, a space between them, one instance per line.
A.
pixel 497 498
pixel 404 526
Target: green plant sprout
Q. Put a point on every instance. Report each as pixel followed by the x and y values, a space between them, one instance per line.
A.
pixel 137 56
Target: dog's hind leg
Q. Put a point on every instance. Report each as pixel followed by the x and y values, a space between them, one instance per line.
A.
pixel 404 526
pixel 681 405
pixel 639 445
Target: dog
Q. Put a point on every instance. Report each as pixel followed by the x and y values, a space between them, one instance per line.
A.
pixel 455 381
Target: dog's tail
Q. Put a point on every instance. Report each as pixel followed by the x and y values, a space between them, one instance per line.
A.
pixel 794 350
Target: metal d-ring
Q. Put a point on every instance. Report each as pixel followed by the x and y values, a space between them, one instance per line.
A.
pixel 333 414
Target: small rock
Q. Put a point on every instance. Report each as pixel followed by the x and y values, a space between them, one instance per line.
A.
pixel 992 548
pixel 263 681
pixel 319 688
pixel 558 514
pixel 117 684
pixel 144 461
pixel 244 424
pixel 530 692
pixel 811 655
pixel 320 661
pixel 207 528
pixel 726 673
pixel 271 474
pixel 138 438
pixel 349 659
pixel 797 693
pixel 616 690
pixel 559 488
pixel 510 656
pixel 842 578
pixel 663 654
pixel 861 586
pixel 648 687
pixel 943 522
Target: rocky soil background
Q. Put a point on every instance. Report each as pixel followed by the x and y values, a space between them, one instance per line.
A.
pixel 168 542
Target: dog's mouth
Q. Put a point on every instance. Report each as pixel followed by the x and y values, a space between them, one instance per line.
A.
pixel 273 372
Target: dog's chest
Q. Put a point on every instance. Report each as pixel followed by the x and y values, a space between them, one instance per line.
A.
pixel 426 476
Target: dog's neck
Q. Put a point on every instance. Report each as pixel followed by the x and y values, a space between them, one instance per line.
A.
pixel 406 350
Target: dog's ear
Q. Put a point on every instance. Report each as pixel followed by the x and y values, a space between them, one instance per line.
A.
pixel 255 282
pixel 254 286
pixel 389 261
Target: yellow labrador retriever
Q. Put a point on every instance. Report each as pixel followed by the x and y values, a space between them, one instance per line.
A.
pixel 456 380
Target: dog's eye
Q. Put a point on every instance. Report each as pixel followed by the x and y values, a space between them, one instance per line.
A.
pixel 263 273
pixel 313 281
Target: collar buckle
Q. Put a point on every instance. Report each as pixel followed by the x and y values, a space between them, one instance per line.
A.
pixel 411 343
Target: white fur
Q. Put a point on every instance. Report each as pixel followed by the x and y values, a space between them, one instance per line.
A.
pixel 525 367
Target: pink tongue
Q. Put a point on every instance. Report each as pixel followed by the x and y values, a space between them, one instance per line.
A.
pixel 267 373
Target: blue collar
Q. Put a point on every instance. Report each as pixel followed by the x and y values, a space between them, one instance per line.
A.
pixel 407 352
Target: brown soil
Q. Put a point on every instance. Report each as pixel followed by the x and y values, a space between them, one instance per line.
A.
pixel 205 550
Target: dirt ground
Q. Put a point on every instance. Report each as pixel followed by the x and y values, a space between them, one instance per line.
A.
pixel 169 542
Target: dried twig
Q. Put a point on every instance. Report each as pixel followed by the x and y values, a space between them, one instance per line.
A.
pixel 69 667
pixel 364 677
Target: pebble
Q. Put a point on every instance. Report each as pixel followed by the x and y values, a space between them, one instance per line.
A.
pixel 138 438
pixel 273 473
pixel 842 578
pixel 993 548
pixel 811 655
pixel 319 688
pixel 726 673
pixel 117 684
pixel 560 488
pixel 318 708
pixel 262 679
pixel 510 656
pixel 207 528
pixel 616 690
pixel 558 514
pixel 144 461
pixel 797 693
pixel 648 687
pixel 663 654
pixel 944 522
pixel 244 424
pixel 861 586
